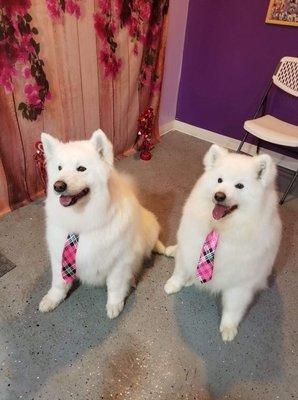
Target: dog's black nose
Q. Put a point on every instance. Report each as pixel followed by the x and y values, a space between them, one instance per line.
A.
pixel 220 196
pixel 60 186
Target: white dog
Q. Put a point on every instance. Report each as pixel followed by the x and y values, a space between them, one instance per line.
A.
pixel 236 199
pixel 88 198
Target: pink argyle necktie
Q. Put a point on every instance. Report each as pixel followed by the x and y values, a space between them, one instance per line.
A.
pixel 206 262
pixel 69 268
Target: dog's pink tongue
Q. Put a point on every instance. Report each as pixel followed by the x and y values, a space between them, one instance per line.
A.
pixel 219 211
pixel 65 200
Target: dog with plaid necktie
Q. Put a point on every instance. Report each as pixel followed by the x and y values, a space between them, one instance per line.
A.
pixel 229 233
pixel 97 231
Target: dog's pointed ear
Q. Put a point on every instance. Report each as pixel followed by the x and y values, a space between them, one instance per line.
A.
pixel 212 155
pixel 49 143
pixel 103 146
pixel 265 169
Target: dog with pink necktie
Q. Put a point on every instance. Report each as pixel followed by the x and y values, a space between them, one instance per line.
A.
pixel 229 233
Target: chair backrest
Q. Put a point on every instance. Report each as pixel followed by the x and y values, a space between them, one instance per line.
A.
pixel 286 75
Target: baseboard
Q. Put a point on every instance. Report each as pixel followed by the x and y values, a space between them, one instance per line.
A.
pixel 168 127
pixel 225 141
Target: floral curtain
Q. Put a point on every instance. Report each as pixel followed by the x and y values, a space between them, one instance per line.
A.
pixel 68 67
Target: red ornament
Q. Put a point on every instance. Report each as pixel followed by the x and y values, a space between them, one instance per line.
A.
pixel 145 134
pixel 145 155
pixel 40 161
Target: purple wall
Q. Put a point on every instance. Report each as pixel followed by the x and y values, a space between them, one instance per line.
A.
pixel 229 55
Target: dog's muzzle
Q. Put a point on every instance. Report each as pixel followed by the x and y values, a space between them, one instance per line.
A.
pixel 60 186
pixel 67 200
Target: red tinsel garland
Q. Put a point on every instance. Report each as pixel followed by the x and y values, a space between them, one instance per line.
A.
pixel 146 120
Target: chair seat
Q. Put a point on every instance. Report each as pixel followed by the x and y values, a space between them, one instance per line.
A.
pixel 273 130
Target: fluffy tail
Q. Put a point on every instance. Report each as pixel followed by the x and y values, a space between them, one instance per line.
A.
pixel 151 232
pixel 170 251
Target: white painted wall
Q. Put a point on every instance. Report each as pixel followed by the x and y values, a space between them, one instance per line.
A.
pixel 173 61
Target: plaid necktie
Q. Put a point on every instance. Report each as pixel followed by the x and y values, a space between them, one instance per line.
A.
pixel 69 258
pixel 206 262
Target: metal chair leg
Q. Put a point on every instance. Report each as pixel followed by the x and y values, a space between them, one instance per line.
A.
pixel 288 188
pixel 258 145
pixel 260 109
pixel 242 142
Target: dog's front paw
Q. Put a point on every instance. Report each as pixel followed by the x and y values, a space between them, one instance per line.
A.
pixel 228 332
pixel 159 248
pixel 170 251
pixel 113 310
pixel 171 286
pixel 48 304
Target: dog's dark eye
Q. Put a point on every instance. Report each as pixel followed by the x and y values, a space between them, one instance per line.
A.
pixel 59 167
pixel 219 180
pixel 239 186
pixel 81 168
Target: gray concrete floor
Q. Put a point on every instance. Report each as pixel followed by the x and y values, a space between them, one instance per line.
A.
pixel 160 347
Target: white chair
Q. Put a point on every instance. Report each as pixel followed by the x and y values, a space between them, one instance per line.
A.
pixel 269 128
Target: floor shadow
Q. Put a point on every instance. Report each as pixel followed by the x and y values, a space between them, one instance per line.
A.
pixel 39 345
pixel 254 355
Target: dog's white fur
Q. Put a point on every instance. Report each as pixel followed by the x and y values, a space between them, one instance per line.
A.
pixel 115 232
pixel 249 237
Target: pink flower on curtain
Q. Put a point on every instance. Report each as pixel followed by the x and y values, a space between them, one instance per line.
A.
pixel 135 50
pixel 7 68
pixel 54 9
pixel 73 8
pixel 26 72
pixel 145 10
pixel 143 21
pixel 32 94
pixel 25 47
pixel 104 5
pixel 111 63
pixel 106 28
pixel 99 26
pixel 57 7
pixel 6 73
pixel 14 7
pixel 48 95
pixel 20 51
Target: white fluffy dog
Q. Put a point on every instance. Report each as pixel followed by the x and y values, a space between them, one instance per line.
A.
pixel 88 197
pixel 236 198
